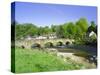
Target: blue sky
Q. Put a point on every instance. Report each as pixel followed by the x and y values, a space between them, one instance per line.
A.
pixel 48 14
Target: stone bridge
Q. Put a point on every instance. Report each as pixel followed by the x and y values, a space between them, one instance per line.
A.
pixel 29 43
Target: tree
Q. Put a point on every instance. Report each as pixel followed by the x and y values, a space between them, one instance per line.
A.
pixel 83 24
pixel 71 31
pixel 40 31
pixel 47 30
pixel 95 30
pixel 59 31
pixel 23 30
pixel 53 27
pixel 65 33
pixel 92 27
pixel 81 28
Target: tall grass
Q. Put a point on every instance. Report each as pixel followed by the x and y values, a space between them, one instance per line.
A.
pixel 38 61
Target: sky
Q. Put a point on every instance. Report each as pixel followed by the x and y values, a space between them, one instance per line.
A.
pixel 47 14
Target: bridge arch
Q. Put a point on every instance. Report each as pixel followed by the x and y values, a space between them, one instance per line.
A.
pixel 59 43
pixel 67 43
pixel 49 44
pixel 36 45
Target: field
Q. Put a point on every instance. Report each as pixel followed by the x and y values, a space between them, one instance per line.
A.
pixel 38 61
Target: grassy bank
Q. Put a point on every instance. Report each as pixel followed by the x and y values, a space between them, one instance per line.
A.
pixel 38 61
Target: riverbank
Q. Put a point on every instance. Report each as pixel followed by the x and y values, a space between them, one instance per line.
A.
pixel 35 60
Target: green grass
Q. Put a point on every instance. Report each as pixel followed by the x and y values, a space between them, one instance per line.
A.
pixel 38 61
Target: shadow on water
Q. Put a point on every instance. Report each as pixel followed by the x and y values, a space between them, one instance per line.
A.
pixel 76 48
